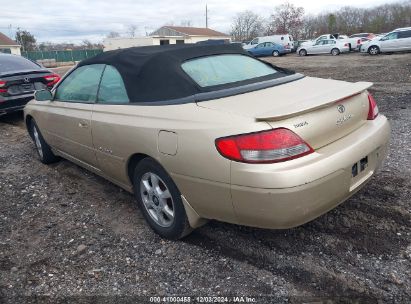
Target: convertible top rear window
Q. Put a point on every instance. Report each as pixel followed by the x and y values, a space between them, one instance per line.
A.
pixel 155 74
pixel 223 69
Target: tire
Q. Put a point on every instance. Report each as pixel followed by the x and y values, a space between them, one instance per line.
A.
pixel 160 200
pixel 44 152
pixel 335 52
pixel 276 53
pixel 373 50
pixel 302 52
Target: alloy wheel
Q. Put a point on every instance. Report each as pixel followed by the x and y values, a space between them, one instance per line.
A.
pixel 373 50
pixel 157 199
pixel 37 141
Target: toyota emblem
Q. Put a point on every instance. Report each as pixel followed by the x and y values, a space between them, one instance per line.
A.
pixel 341 108
pixel 26 80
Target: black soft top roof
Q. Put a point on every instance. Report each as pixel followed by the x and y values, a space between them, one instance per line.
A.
pixel 154 73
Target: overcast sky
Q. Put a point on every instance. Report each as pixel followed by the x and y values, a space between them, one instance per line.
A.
pixel 75 20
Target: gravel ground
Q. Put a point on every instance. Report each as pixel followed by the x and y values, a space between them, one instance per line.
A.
pixel 67 233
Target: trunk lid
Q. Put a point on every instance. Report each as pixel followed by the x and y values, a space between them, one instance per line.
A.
pixel 20 83
pixel 319 110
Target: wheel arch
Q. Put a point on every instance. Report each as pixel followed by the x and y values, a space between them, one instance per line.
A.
pixel 132 163
pixel 28 120
pixel 335 48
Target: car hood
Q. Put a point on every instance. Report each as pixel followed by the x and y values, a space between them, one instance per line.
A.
pixel 287 100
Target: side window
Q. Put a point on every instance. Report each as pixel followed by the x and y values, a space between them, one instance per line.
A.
pixel 254 41
pixel 404 34
pixel 112 89
pixel 391 36
pixel 261 45
pixel 81 85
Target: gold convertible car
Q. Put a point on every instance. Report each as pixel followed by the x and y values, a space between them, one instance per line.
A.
pixel 210 132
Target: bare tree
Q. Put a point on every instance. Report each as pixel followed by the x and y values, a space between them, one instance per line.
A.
pixel 246 25
pixel 132 29
pixel 26 40
pixel 113 35
pixel 287 18
pixel 349 20
pixel 87 44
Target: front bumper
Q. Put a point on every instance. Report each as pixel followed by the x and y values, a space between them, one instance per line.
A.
pixel 292 193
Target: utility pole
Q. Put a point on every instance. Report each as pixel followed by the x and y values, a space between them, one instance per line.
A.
pixel 206 16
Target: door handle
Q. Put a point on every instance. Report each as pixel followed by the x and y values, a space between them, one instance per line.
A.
pixel 83 124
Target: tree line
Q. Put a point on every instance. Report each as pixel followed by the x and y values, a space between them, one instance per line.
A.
pixel 288 18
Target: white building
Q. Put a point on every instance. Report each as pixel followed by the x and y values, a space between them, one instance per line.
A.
pixel 9 46
pixel 166 35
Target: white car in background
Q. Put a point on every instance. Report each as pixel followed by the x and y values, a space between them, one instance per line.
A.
pixel 342 38
pixel 396 41
pixel 326 46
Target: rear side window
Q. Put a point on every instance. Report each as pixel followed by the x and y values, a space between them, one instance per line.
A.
pixel 112 89
pixel 11 63
pixel 223 69
pixel 81 85
pixel 404 34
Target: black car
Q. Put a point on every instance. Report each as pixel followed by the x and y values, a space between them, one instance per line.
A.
pixel 19 78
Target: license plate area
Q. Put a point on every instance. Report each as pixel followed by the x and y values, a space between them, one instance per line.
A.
pixel 359 166
pixel 27 87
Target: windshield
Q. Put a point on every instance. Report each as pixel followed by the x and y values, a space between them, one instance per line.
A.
pixel 223 69
pixel 11 63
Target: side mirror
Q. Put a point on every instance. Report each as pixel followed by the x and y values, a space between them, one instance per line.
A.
pixel 43 95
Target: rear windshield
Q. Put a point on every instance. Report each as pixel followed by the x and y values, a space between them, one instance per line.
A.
pixel 11 63
pixel 222 69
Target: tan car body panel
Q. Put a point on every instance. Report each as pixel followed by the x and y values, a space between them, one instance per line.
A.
pixel 182 139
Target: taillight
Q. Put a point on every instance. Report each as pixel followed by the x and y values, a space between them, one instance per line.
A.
pixel 52 79
pixel 2 85
pixel 346 44
pixel 359 41
pixel 269 146
pixel 373 110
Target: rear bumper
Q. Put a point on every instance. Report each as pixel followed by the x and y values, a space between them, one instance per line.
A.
pixel 295 192
pixel 12 104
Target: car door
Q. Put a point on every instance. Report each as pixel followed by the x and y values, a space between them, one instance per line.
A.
pixel 259 49
pixel 389 42
pixel 404 38
pixel 69 114
pixel 268 49
pixel 109 138
pixel 317 48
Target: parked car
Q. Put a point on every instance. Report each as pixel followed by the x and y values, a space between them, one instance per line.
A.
pixel 285 40
pixel 267 49
pixel 210 132
pixel 396 41
pixel 327 46
pixel 355 40
pixel 19 78
pixel 341 38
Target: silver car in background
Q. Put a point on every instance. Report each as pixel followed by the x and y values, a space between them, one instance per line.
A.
pixel 326 46
pixel 396 41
